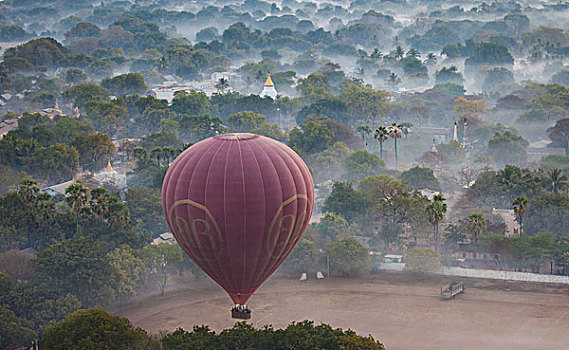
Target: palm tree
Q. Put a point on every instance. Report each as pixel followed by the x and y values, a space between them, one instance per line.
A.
pixel 476 226
pixel 520 204
pixel 399 52
pixel 139 153
pixel 405 128
pixel 99 201
pixel 376 54
pixel 509 176
pixel 28 191
pixel 431 58
pixel 168 153
pixel 395 132
pixel 156 153
pixel 555 182
pixel 413 53
pixel 393 79
pixel 76 198
pixel 118 214
pixel 381 134
pixel 222 85
pixel 436 211
pixel 363 130
pixel 162 65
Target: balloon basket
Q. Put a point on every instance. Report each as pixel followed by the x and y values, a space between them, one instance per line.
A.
pixel 242 315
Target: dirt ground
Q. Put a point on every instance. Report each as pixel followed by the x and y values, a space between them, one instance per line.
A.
pixel 400 312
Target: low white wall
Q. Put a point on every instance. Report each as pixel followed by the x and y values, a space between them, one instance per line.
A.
pixel 392 266
pixel 504 275
pixel 489 274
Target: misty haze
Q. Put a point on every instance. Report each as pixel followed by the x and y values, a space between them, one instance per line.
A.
pixel 331 174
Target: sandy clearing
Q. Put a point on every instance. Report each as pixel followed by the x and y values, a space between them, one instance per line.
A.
pixel 404 315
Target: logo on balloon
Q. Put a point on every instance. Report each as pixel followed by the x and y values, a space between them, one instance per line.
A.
pixel 200 237
pixel 286 226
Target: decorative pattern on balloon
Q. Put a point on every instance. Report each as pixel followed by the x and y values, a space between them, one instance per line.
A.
pixel 287 225
pixel 202 237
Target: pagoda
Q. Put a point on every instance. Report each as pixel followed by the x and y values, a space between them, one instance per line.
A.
pixel 269 88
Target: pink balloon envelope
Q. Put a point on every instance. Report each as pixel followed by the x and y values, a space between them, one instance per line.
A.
pixel 237 204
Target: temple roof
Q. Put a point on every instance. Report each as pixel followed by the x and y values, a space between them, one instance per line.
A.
pixel 269 82
pixel 109 167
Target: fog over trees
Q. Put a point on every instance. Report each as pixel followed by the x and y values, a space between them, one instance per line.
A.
pixel 437 131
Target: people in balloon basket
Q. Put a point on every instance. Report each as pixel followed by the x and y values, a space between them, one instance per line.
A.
pixel 241 308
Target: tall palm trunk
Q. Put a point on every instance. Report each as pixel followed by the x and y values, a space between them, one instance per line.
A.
pixel 476 252
pixel 381 149
pixel 436 229
pixel 396 159
pixel 76 222
pixel 28 223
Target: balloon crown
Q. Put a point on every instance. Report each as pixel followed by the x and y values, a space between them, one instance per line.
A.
pixel 236 136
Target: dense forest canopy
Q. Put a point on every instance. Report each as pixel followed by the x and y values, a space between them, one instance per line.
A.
pixel 432 129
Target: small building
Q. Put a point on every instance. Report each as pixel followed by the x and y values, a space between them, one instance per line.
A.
pixel 165 237
pixel 52 112
pixel 392 258
pixel 58 189
pixel 513 227
pixel 8 125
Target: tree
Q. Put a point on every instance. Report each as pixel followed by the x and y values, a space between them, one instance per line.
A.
pixel 548 213
pixel 520 207
pixel 346 201
pixel 94 150
pixel 14 329
pixel 75 75
pixel 559 134
pixel 82 93
pixel 77 266
pixel 28 191
pixel 76 198
pixel 436 211
pixel 471 110
pixel 365 131
pixel 222 85
pixel 302 256
pixel 145 207
pixel 421 178
pixel 366 103
pixel 449 75
pixel 420 261
pixel 314 137
pixel 298 335
pixel 395 133
pixel 94 329
pixel 45 52
pixel 125 84
pixel 82 30
pixel 381 134
pixel 555 181
pixel 348 256
pixel 131 271
pixel 476 226
pixel 193 103
pixel 362 164
pixel 53 164
pixel 160 259
pixel 508 148
pixel 245 121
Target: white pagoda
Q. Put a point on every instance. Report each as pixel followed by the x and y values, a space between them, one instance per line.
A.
pixel 269 88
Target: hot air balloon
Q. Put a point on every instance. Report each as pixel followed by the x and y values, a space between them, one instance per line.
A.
pixel 237 204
